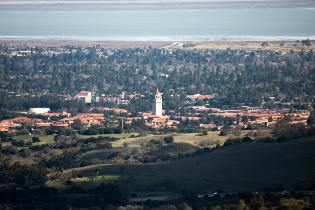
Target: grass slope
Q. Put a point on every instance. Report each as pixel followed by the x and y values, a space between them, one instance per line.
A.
pixel 135 142
pixel 44 139
pixel 241 167
pixel 195 139
pixel 210 140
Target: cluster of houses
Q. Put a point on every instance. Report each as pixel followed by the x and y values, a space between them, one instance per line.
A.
pixel 157 119
pixel 254 116
pixel 12 125
pixel 86 120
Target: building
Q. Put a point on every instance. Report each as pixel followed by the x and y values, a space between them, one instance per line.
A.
pixel 39 110
pixel 85 96
pixel 199 97
pixel 157 104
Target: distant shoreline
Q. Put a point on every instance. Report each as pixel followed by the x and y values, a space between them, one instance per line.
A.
pixel 189 45
pixel 82 43
pixel 169 38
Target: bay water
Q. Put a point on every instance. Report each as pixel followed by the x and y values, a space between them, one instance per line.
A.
pixel 153 22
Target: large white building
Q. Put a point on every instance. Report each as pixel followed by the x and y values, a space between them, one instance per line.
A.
pixel 157 104
pixel 39 110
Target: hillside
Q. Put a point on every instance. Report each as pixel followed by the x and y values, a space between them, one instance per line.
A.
pixel 241 167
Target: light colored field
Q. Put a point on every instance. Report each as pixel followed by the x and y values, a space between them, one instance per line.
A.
pixel 196 139
pixel 120 136
pixel 135 142
pixel 287 46
pixel 211 140
pixel 55 184
pixel 5 144
pixel 87 167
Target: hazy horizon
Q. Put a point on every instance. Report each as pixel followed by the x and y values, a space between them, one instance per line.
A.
pixel 152 20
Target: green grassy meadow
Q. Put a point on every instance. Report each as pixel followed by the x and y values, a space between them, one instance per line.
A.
pixel 44 139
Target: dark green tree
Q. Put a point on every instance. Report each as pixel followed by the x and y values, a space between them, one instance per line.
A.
pixel 35 139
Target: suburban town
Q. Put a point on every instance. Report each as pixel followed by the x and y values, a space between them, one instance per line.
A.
pixel 157 104
pixel 157 119
pixel 183 127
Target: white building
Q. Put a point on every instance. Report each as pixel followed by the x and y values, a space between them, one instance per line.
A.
pixel 39 110
pixel 85 96
pixel 157 104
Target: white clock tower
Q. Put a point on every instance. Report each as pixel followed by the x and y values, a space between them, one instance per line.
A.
pixel 157 104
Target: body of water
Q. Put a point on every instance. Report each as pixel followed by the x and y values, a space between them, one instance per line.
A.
pixel 157 20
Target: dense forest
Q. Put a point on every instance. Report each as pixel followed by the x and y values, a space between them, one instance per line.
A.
pixel 235 76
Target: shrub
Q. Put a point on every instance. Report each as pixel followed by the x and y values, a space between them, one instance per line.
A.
pixel 19 143
pixel 35 139
pixel 169 139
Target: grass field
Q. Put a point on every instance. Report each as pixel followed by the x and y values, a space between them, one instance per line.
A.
pixel 135 142
pixel 241 167
pixel 44 139
pixel 191 138
pixel 274 46
pixel 88 168
pixel 210 140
